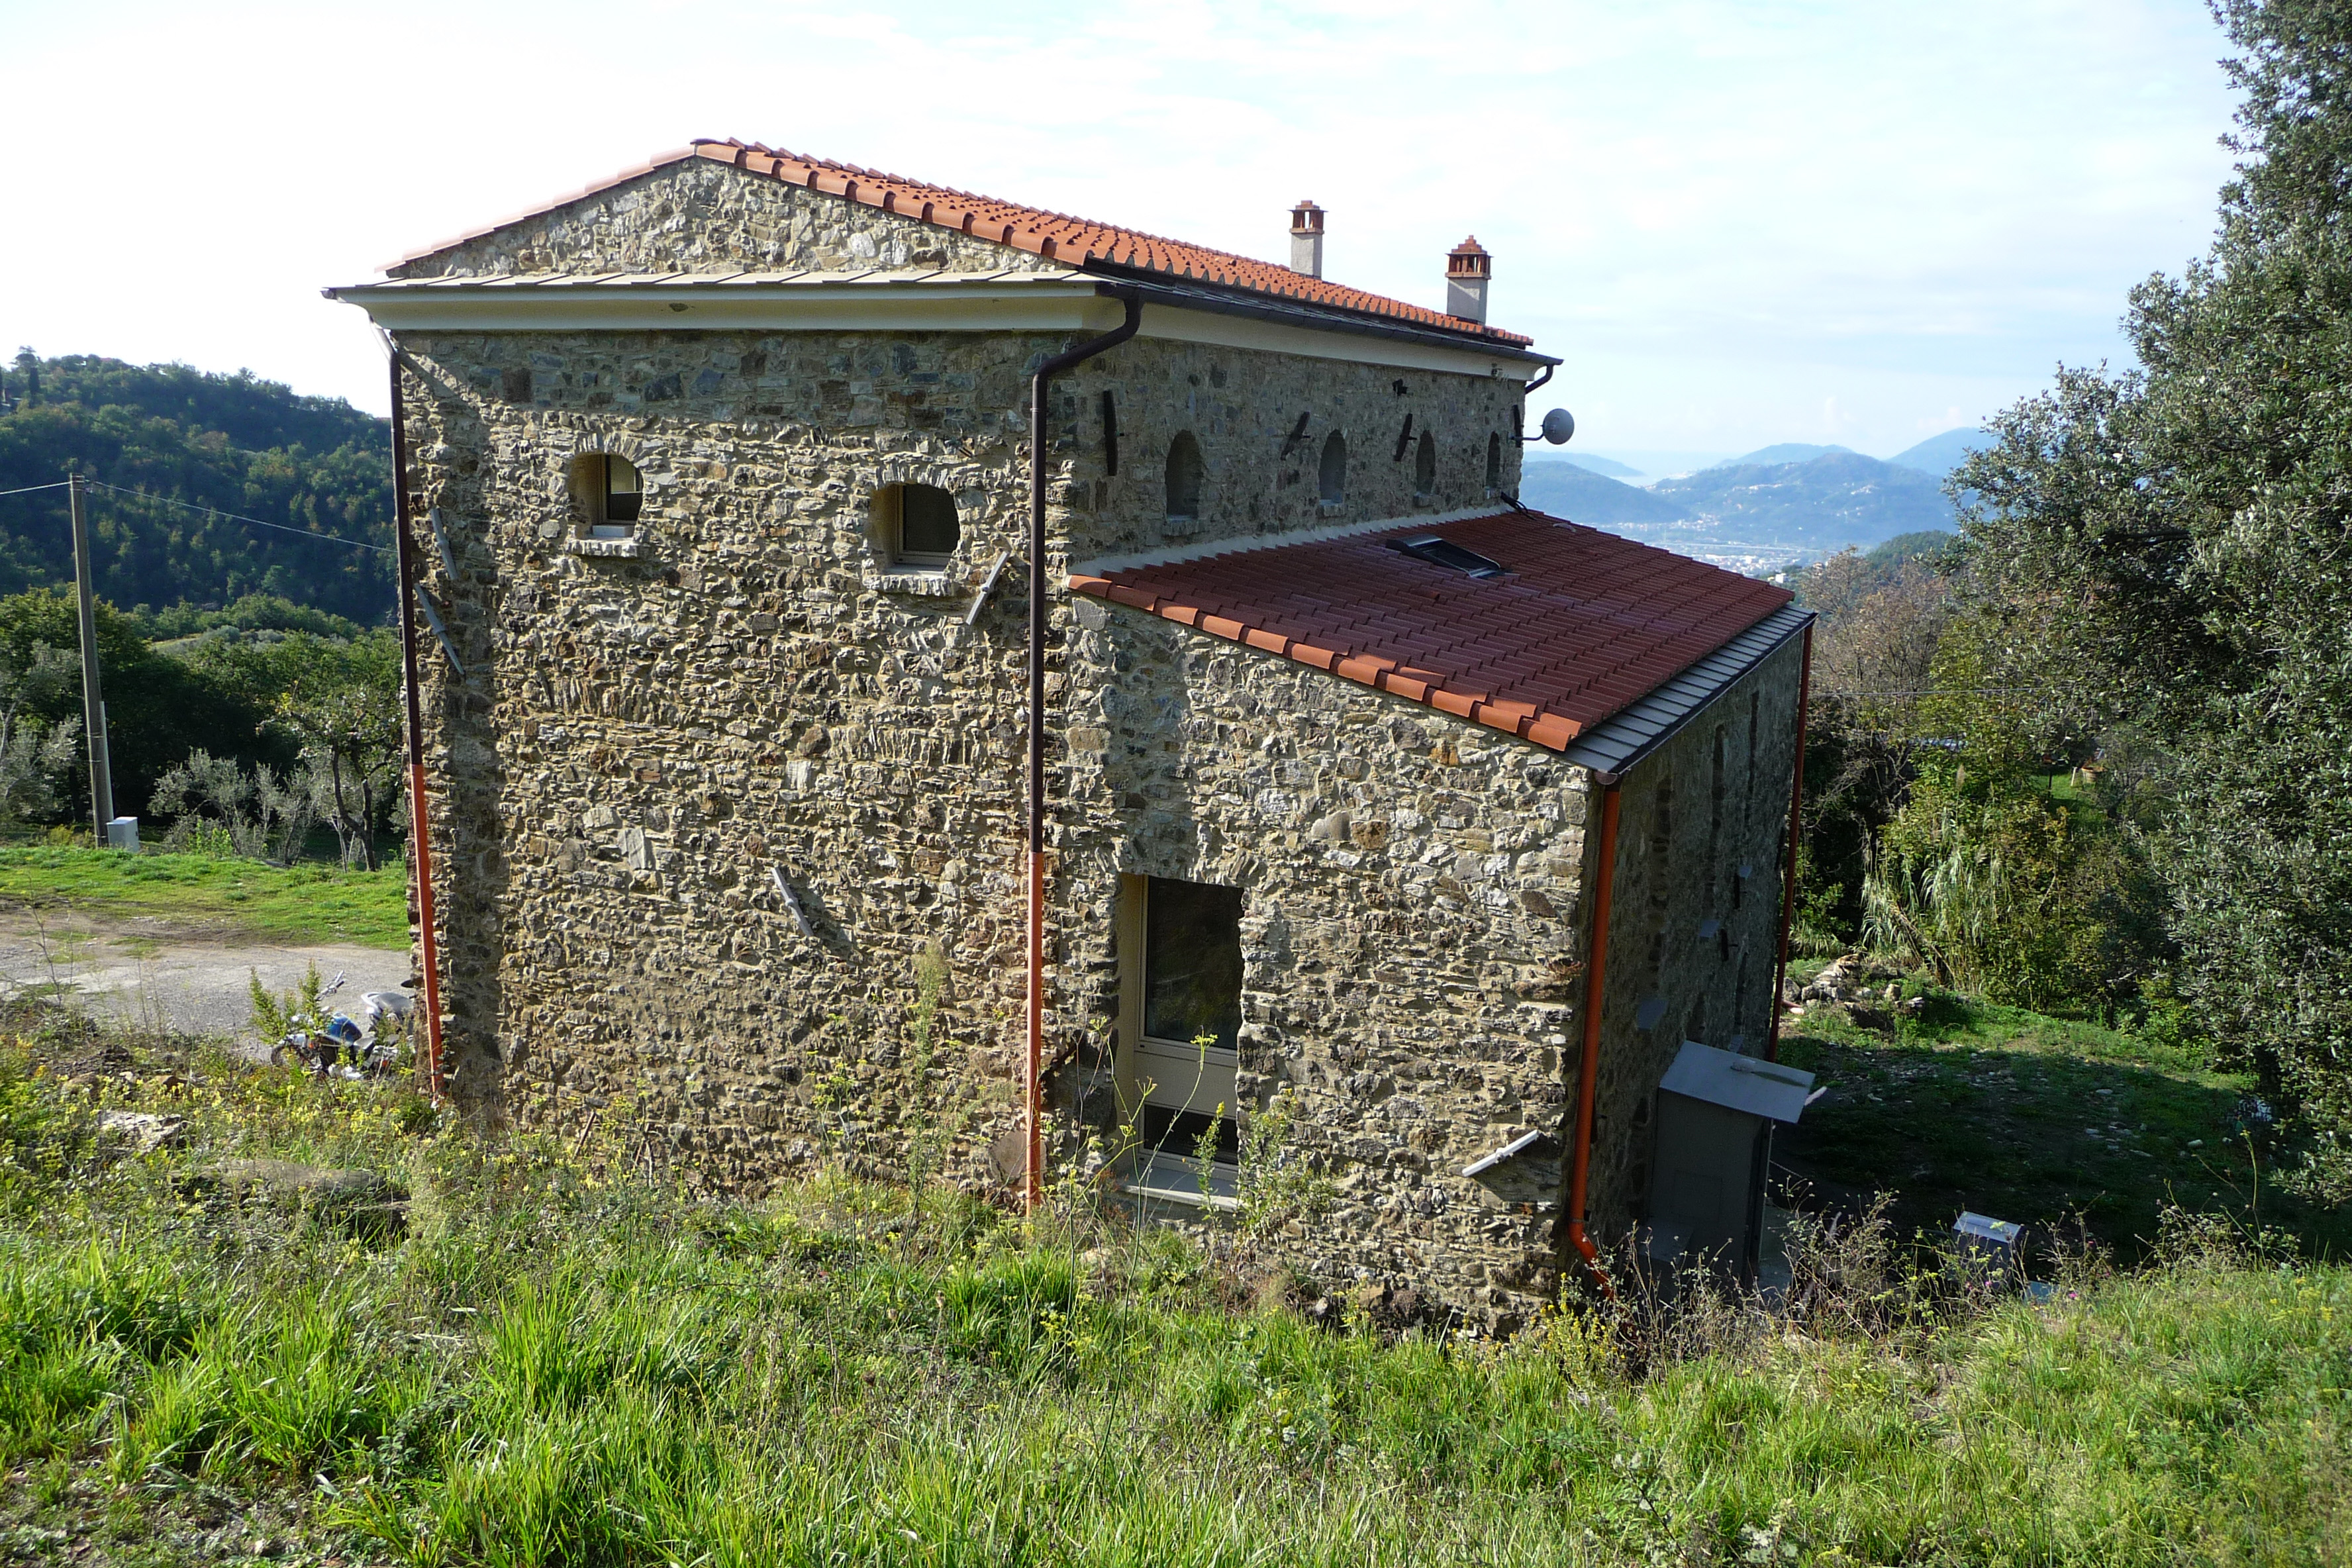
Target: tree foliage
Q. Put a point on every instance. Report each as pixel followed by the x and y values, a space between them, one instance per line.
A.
pixel 2193 516
pixel 172 434
pixel 159 707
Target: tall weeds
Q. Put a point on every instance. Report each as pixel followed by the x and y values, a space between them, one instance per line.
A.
pixel 558 1360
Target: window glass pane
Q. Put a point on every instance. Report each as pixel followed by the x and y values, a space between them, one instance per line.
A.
pixel 622 492
pixel 927 521
pixel 1192 963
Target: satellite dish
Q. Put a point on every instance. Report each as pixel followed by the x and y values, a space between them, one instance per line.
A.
pixel 1559 426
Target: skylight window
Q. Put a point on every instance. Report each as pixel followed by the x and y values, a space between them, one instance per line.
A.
pixel 1445 552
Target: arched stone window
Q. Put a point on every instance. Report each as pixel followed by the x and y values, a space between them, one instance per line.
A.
pixel 1424 470
pixel 1185 473
pixel 610 491
pixel 916 527
pixel 1494 465
pixel 1331 478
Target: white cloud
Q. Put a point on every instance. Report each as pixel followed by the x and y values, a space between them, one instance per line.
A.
pixel 1723 215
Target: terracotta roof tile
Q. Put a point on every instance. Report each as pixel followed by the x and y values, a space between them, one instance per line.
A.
pixel 1074 241
pixel 1585 625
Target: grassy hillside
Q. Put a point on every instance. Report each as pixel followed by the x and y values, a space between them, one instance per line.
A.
pixel 319 1323
pixel 227 442
pixel 309 902
pixel 2061 1124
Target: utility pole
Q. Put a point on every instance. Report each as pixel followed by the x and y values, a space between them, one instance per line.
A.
pixel 93 705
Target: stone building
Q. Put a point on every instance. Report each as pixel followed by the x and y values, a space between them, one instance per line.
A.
pixel 720 475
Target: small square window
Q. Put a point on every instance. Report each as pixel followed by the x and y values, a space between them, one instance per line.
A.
pixel 919 528
pixel 610 492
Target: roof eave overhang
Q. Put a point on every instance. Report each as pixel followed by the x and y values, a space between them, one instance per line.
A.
pixel 1156 290
pixel 1061 300
pixel 995 303
pixel 1615 746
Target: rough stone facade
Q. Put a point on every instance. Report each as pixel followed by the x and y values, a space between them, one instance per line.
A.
pixel 642 749
pixel 1411 892
pixel 701 216
pixel 1690 937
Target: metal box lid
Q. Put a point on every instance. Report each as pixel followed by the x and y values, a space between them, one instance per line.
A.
pixel 1984 1228
pixel 1739 1083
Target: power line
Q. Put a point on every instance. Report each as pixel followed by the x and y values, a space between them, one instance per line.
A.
pixel 28 489
pixel 234 516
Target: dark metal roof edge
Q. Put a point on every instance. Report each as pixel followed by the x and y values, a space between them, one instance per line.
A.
pixel 1196 295
pixel 1731 663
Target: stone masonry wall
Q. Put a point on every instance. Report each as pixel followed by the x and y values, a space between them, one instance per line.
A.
pixel 704 216
pixel 1262 420
pixel 1410 930
pixel 637 743
pixel 1714 799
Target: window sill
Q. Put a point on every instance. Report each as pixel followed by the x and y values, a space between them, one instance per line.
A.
pixel 1166 1179
pixel 1329 507
pixel 613 549
pixel 919 585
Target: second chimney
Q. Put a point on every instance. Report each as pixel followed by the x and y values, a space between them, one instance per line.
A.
pixel 1307 240
pixel 1468 270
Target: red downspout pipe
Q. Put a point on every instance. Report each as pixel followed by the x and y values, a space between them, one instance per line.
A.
pixel 1796 819
pixel 1033 1184
pixel 420 839
pixel 1587 1076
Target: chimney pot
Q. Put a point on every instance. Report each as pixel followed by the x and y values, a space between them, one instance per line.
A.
pixel 1307 240
pixel 1468 271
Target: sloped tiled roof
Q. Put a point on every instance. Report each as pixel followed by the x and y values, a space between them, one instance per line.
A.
pixel 1073 241
pixel 1585 623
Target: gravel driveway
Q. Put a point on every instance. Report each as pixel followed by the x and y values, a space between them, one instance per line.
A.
pixel 148 971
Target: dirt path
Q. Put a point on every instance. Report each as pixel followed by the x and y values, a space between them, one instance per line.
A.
pixel 148 969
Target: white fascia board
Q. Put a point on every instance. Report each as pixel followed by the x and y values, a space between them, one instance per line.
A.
pixel 856 303
pixel 947 306
pixel 1222 331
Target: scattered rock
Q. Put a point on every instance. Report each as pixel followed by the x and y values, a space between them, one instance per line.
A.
pixel 141 1131
pixel 362 1201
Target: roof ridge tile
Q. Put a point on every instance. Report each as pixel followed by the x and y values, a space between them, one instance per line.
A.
pixel 1048 233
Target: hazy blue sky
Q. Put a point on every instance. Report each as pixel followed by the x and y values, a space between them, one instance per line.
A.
pixel 1860 221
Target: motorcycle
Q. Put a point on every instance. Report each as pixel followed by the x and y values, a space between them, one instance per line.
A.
pixel 368 1047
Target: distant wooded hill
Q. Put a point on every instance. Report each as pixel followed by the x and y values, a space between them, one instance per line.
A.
pixel 1566 488
pixel 1826 503
pixel 1763 510
pixel 231 443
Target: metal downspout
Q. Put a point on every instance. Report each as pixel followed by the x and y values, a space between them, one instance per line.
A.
pixel 420 840
pixel 1796 821
pixel 1033 1166
pixel 1587 1076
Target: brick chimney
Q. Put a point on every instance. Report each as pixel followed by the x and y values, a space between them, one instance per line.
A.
pixel 1307 240
pixel 1468 270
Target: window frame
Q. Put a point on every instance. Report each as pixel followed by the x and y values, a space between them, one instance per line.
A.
pixel 1184 442
pixel 891 523
pixel 1329 497
pixel 1145 1067
pixel 592 488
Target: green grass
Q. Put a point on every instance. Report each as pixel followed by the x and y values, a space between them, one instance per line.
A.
pixel 553 1361
pixel 296 904
pixel 2045 1120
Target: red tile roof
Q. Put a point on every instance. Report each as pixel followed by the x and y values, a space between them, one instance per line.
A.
pixel 1586 623
pixel 1073 241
